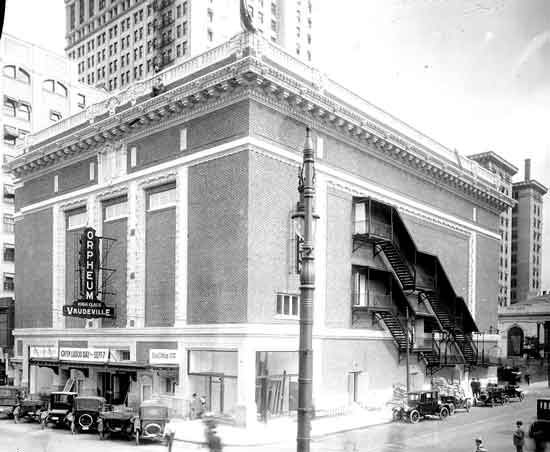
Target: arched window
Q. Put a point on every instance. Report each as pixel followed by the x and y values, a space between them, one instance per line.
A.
pixel 9 71
pixel 61 89
pixel 49 85
pixel 24 112
pixel 9 107
pixel 515 341
pixel 23 76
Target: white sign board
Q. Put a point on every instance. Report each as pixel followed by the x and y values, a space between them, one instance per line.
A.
pixel 163 356
pixel 84 354
pixel 44 351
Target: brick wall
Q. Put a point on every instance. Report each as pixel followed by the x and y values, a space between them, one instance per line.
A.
pixel 116 259
pixel 487 282
pixel 272 198
pixel 215 128
pixel 451 248
pixel 33 267
pixel 339 247
pixel 160 262
pixel 71 177
pixel 218 240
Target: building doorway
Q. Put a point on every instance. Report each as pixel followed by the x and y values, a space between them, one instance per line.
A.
pixel 114 387
pixel 515 341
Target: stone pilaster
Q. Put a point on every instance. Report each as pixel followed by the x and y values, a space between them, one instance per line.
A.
pixel 246 384
pixel 58 263
pixel 181 247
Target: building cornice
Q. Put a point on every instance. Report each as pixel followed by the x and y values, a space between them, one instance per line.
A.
pixel 256 69
pixel 535 185
pixel 491 156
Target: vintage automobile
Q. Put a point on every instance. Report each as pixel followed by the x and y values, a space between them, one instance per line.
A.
pixel 493 394
pixel 514 392
pixel 116 421
pixel 86 410
pixel 457 403
pixel 421 404
pixel 150 421
pixel 60 408
pixel 509 375
pixel 31 408
pixel 540 428
pixel 9 399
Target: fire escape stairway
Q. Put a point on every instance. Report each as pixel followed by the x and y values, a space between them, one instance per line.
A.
pixel 395 328
pixel 397 262
pixel 466 346
pixel 442 316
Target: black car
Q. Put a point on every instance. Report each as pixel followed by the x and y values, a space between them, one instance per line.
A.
pixel 117 422
pixel 492 395
pixel 10 397
pixel 513 392
pixel 540 429
pixel 421 404
pixel 457 403
pixel 150 421
pixel 86 410
pixel 31 408
pixel 60 409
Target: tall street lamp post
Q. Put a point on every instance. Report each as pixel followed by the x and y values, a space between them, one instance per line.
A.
pixel 306 188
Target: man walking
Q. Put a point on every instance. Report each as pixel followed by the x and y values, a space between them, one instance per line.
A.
pixel 519 437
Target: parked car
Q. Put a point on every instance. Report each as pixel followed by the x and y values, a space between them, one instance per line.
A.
pixel 150 421
pixel 31 407
pixel 118 422
pixel 86 411
pixel 60 408
pixel 9 399
pixel 421 404
pixel 540 429
pixel 492 395
pixel 457 403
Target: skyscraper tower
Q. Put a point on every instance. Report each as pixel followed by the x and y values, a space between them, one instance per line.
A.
pixel 116 42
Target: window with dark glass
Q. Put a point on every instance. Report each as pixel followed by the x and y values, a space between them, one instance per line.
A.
pixel 9 253
pixel 9 281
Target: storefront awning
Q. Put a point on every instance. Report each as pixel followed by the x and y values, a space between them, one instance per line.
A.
pixel 117 366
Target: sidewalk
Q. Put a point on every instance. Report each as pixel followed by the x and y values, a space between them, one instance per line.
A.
pixel 282 430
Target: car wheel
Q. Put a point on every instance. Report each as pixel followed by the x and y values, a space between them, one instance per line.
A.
pixel 137 437
pixel 414 417
pixel 443 413
pixel 521 396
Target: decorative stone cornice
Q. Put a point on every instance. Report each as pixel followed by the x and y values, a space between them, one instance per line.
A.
pixel 259 70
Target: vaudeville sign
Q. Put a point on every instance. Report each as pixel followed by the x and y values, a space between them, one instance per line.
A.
pixel 88 306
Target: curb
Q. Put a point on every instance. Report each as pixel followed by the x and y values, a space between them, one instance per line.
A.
pixel 273 443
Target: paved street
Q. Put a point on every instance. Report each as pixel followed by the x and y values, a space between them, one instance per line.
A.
pixel 456 434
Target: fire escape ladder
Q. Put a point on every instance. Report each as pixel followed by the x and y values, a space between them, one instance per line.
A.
pixel 395 327
pixel 405 273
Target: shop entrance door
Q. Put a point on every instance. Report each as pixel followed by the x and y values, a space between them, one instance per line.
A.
pixel 215 393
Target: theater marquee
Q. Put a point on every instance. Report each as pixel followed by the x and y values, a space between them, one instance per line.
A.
pixel 88 306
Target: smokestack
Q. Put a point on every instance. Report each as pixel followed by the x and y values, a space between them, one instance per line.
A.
pixel 527 170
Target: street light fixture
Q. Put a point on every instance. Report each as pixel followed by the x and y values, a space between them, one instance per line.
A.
pixel 305 214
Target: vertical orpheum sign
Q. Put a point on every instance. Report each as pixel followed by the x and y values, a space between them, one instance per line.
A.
pixel 89 264
pixel 88 306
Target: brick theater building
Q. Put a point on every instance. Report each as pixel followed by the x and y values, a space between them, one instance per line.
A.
pixel 192 186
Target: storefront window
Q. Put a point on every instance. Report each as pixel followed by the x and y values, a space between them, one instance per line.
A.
pixel 213 361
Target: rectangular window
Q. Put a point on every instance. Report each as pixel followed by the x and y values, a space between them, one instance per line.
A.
pixel 133 157
pixel 9 282
pixel 8 224
pixel 161 197
pixel 9 253
pixel 9 193
pixel 183 139
pixel 56 183
pixel 116 211
pixel 77 220
pixel 287 305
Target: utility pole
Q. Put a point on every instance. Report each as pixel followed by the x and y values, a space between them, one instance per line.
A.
pixel 408 351
pixel 306 188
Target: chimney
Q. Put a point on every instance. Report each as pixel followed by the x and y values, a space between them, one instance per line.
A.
pixel 527 170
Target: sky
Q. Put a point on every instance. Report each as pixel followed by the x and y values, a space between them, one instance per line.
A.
pixel 472 74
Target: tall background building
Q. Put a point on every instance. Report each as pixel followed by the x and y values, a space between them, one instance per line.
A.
pixel 39 88
pixel 116 42
pixel 504 170
pixel 526 236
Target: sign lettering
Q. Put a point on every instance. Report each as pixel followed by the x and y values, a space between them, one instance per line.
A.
pixel 163 356
pixel 84 354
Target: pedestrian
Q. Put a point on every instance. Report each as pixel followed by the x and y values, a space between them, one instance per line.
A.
pixel 169 434
pixel 527 379
pixel 213 441
pixel 519 437
pixel 479 445
pixel 198 406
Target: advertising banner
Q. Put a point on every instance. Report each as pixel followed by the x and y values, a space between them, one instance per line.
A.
pixel 84 354
pixel 163 356
pixel 44 351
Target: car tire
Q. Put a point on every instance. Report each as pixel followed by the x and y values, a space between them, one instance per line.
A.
pixel 521 396
pixel 137 437
pixel 444 413
pixel 414 417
